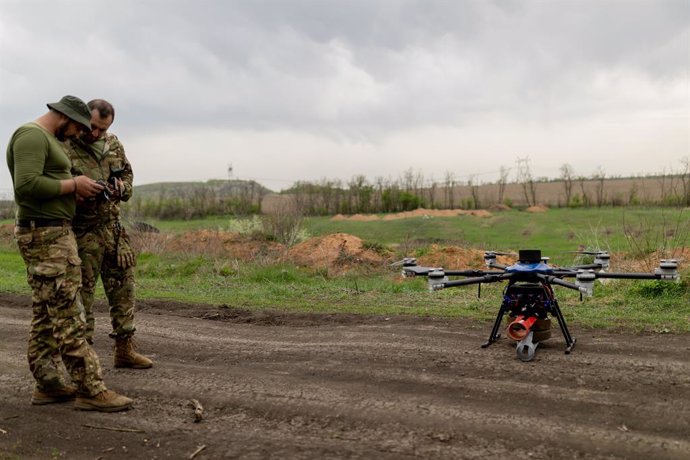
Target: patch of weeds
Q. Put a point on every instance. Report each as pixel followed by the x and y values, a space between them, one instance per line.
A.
pixel 656 288
pixel 226 268
pixel 407 286
pixel 376 247
pixel 277 274
pixel 322 272
pixel 154 266
pixel 192 266
pixel 662 237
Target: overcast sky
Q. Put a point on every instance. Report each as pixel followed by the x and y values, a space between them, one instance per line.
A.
pixel 288 90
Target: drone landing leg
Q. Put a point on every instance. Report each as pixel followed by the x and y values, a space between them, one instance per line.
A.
pixel 526 347
pixel 569 340
pixel 495 335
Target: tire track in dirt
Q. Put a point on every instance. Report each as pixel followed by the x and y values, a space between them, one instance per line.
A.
pixel 396 389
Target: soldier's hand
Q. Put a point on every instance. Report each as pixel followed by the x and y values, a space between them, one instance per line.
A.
pixel 125 257
pixel 120 186
pixel 87 187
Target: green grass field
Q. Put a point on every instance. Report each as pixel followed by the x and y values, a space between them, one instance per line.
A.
pixel 627 305
pixel 554 232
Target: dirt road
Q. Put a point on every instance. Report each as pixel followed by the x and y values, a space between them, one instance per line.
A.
pixel 328 386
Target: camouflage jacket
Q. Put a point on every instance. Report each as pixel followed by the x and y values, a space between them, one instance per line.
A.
pixel 98 161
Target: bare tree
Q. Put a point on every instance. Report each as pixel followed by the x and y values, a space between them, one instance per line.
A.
pixel 449 190
pixel 669 187
pixel 599 176
pixel 685 180
pixel 474 190
pixel 431 190
pixel 408 180
pixel 586 202
pixel 361 192
pixel 379 184
pixel 502 182
pixel 327 192
pixel 567 178
pixel 418 184
pixel 525 179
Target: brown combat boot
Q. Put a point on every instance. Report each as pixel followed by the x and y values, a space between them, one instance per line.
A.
pixel 64 394
pixel 105 401
pixel 126 355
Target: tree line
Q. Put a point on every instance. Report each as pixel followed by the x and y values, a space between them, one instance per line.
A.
pixel 408 191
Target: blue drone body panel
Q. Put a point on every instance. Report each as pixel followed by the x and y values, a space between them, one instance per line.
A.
pixel 540 267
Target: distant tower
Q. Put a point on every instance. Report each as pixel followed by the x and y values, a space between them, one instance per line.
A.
pixel 523 170
pixel 229 171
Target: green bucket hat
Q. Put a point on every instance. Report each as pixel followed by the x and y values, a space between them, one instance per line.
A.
pixel 75 109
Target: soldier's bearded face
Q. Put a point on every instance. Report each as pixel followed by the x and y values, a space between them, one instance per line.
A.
pixel 67 129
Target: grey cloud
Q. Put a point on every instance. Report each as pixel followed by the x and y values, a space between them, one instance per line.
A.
pixel 352 68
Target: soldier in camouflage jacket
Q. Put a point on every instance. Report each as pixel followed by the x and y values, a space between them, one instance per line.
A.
pixel 103 242
pixel 46 193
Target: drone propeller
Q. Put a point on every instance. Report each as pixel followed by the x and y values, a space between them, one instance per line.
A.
pixel 406 262
pixel 499 253
pixel 601 258
pixel 587 253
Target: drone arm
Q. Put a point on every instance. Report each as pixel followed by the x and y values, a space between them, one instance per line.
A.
pixel 417 271
pixel 586 267
pixel 470 273
pixel 559 282
pixel 564 273
pixel 424 271
pixel 499 266
pixel 632 276
pixel 489 278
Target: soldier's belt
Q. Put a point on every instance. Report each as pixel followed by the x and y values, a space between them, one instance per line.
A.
pixel 35 223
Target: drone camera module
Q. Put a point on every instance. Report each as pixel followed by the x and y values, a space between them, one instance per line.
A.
pixel 529 256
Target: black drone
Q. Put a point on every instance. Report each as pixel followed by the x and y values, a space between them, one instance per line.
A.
pixel 528 298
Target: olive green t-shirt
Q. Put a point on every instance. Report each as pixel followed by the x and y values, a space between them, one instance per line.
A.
pixel 37 162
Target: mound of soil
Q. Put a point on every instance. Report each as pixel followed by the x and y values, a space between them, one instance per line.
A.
pixel 421 212
pixel 456 257
pixel 363 217
pixel 537 208
pixel 499 207
pixel 339 250
pixel 211 243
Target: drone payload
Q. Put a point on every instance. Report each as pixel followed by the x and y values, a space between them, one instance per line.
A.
pixel 529 299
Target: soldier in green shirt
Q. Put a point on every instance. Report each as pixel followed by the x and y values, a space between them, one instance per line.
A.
pixel 45 193
pixel 103 243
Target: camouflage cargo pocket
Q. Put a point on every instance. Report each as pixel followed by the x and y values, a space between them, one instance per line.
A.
pixel 48 251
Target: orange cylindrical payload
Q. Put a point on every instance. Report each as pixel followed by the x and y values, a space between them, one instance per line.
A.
pixel 518 329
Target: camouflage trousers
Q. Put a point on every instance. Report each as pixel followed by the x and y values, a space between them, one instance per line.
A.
pixel 57 325
pixel 101 248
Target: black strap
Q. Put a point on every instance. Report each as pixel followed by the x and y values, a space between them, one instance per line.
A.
pixel 42 222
